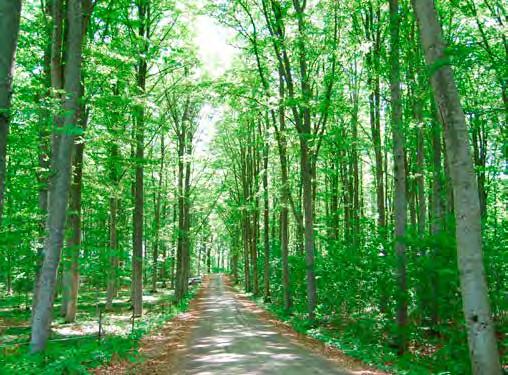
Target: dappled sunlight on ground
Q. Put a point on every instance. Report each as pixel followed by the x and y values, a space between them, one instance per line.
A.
pixel 115 322
pixel 230 339
pixel 225 333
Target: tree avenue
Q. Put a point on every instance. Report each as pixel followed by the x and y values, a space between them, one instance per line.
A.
pixel 343 163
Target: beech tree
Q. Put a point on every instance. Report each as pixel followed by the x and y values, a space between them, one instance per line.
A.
pixel 10 12
pixel 63 139
pixel 481 337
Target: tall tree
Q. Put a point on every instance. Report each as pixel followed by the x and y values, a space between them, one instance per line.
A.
pixel 266 215
pixel 144 22
pixel 10 13
pixel 60 180
pixel 73 245
pixel 480 327
pixel 399 172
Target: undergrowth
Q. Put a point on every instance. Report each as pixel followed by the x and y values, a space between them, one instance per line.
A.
pixel 79 355
pixel 367 341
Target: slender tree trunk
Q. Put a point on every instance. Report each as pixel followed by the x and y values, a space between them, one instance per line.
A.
pixel 44 155
pixel 199 258
pixel 157 223
pixel 179 289
pixel 307 167
pixel 266 221
pixel 185 136
pixel 356 174
pixel 246 260
pixel 420 180
pixel 139 133
pixel 400 200
pixel 437 210
pixel 209 260
pixel 114 171
pixel 164 247
pixel 187 244
pixel 60 183
pixel 112 288
pixel 137 254
pixel 373 32
pixel 10 11
pixel 480 161
pixel 334 198
pixel 174 248
pixel 309 225
pixel 285 197
pixel 480 327
pixel 71 268
pixel 253 196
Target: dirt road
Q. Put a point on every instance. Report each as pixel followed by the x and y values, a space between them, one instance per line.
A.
pixel 227 339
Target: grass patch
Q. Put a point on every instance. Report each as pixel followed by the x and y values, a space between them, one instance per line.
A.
pixel 76 355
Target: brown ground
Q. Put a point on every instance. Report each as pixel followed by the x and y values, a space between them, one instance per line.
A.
pixel 160 352
pixel 177 348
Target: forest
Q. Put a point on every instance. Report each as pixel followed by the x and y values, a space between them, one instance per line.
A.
pixel 341 164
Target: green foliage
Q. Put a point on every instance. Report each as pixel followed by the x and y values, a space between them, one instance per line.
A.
pixel 76 355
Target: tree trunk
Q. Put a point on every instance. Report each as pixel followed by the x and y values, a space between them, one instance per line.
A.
pixel 307 167
pixel 420 163
pixel 139 133
pixel 71 268
pixel 174 248
pixel 373 34
pixel 187 244
pixel 137 249
pixel 10 11
pixel 157 223
pixel 60 183
pixel 480 327
pixel 179 289
pixel 309 225
pixel 209 259
pixel 246 260
pixel 266 220
pixel 400 199
pixel 253 197
pixel 480 160
pixel 437 211
pixel 112 289
pixel 356 174
pixel 199 258
pixel 44 156
pixel 285 197
pixel 185 134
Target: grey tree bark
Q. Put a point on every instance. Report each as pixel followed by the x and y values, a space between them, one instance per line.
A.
pixel 399 171
pixel 10 12
pixel 157 223
pixel 266 221
pixel 184 128
pixel 480 327
pixel 54 67
pixel 59 182
pixel 437 209
pixel 139 134
pixel 285 196
pixel 71 268
pixel 114 202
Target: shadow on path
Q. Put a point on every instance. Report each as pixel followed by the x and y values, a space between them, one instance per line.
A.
pixel 230 340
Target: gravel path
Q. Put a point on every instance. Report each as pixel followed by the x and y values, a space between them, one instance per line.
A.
pixel 229 340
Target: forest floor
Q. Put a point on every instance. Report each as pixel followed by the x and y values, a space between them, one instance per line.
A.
pixel 15 316
pixel 225 333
